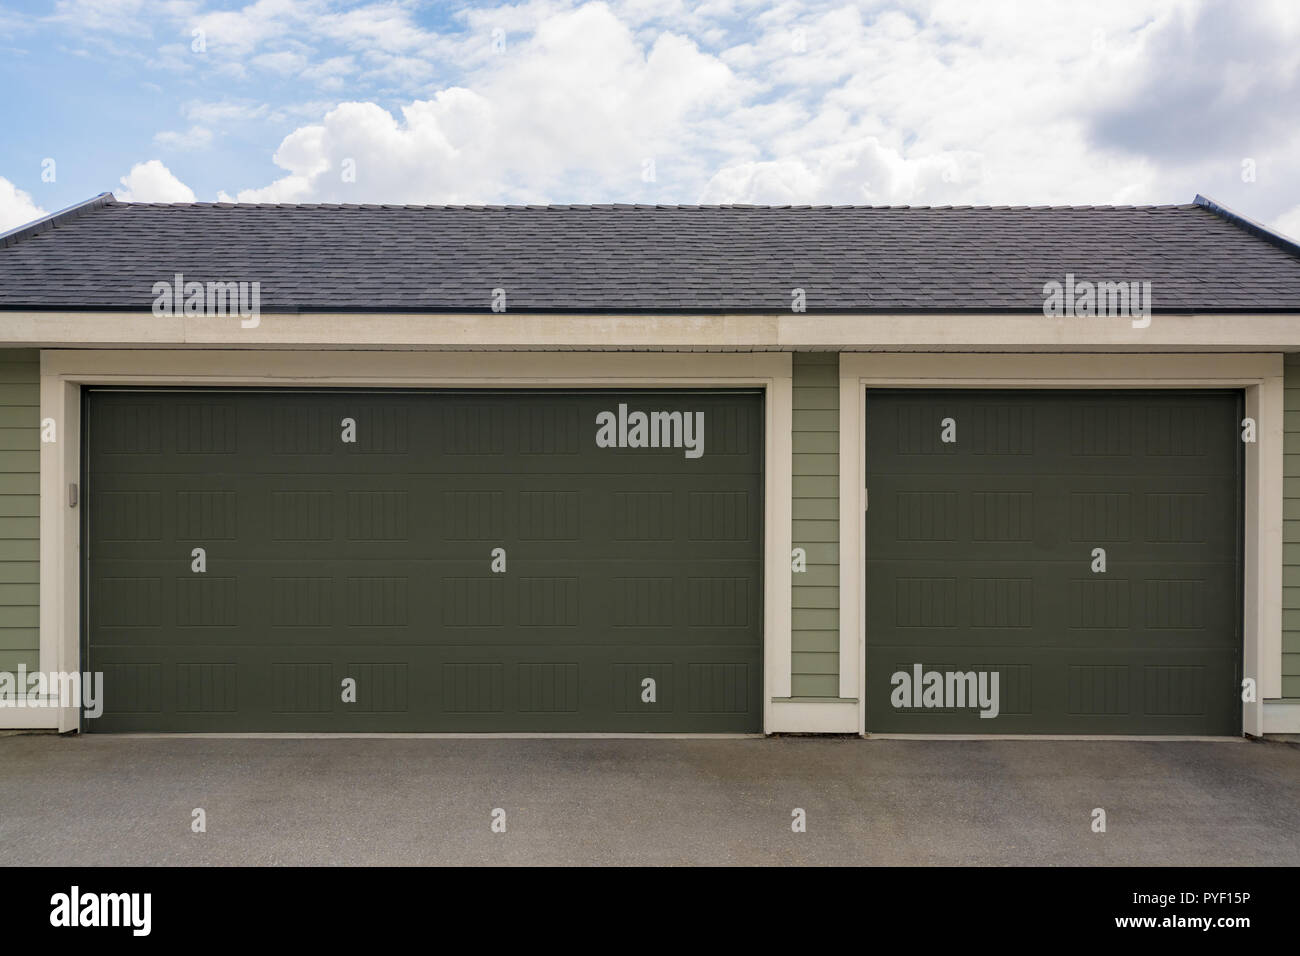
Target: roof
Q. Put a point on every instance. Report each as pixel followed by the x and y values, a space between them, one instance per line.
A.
pixel 107 255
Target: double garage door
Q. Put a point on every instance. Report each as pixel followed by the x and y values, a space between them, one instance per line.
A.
pixel 1084 547
pixel 424 561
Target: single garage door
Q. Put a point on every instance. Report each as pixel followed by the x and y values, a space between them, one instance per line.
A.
pixel 1084 547
pixel 424 561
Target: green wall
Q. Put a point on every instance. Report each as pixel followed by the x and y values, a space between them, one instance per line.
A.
pixel 815 618
pixel 1291 535
pixel 20 401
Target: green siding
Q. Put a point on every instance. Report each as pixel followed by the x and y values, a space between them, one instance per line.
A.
pixel 1291 535
pixel 815 616
pixel 20 407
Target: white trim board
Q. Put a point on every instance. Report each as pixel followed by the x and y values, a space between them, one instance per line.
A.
pixel 1259 375
pixel 64 372
pixel 828 716
pixel 1002 332
pixel 1282 716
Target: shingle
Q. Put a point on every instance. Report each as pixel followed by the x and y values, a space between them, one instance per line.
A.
pixel 645 258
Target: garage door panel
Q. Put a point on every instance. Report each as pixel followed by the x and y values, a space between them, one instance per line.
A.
pixel 984 549
pixel 456 688
pixel 466 435
pixel 1003 520
pixel 371 560
pixel 1188 598
pixel 1162 436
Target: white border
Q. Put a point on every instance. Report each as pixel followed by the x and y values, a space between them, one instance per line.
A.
pixel 1260 375
pixel 64 372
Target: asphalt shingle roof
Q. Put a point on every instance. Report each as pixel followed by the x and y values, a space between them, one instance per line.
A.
pixel 657 259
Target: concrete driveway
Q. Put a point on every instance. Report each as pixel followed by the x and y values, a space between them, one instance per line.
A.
pixel 129 800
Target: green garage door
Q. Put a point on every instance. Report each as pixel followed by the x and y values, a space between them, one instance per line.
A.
pixel 1083 547
pixel 424 561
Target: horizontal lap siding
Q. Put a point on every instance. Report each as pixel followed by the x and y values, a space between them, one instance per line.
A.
pixel 815 618
pixel 1291 535
pixel 20 399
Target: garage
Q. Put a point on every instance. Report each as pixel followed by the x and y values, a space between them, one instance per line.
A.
pixel 1053 561
pixel 435 560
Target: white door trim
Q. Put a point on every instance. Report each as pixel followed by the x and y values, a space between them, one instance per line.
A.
pixel 1260 375
pixel 64 372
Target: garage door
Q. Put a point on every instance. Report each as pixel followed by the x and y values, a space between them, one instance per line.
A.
pixel 1082 548
pixel 424 561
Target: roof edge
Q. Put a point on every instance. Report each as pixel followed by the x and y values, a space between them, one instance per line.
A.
pixel 26 231
pixel 639 207
pixel 1256 229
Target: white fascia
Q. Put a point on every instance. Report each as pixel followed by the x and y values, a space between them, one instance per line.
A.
pixel 597 332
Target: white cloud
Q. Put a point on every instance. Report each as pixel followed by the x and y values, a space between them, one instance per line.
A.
pixel 863 172
pixel 817 101
pixel 240 32
pixel 376 26
pixel 401 72
pixel 573 110
pixel 329 74
pixel 284 62
pixel 17 208
pixel 153 182
pixel 1288 223
pixel 196 137
pixel 115 16
pixel 223 111
pixel 936 103
pixel 174 57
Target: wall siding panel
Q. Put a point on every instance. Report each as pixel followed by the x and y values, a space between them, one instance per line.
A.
pixel 814 638
pixel 1291 535
pixel 20 401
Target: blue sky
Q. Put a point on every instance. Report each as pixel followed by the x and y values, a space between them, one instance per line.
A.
pixel 652 101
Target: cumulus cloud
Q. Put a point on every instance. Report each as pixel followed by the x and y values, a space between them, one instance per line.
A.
pixel 16 207
pixel 153 182
pixel 1220 77
pixel 865 172
pixel 580 106
pixel 801 101
pixel 941 103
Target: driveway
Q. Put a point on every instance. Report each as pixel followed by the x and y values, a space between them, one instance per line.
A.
pixel 129 800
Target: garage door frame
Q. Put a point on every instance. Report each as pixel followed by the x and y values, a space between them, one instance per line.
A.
pixel 63 373
pixel 1259 375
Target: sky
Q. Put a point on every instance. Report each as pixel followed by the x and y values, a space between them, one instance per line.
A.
pixel 656 101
